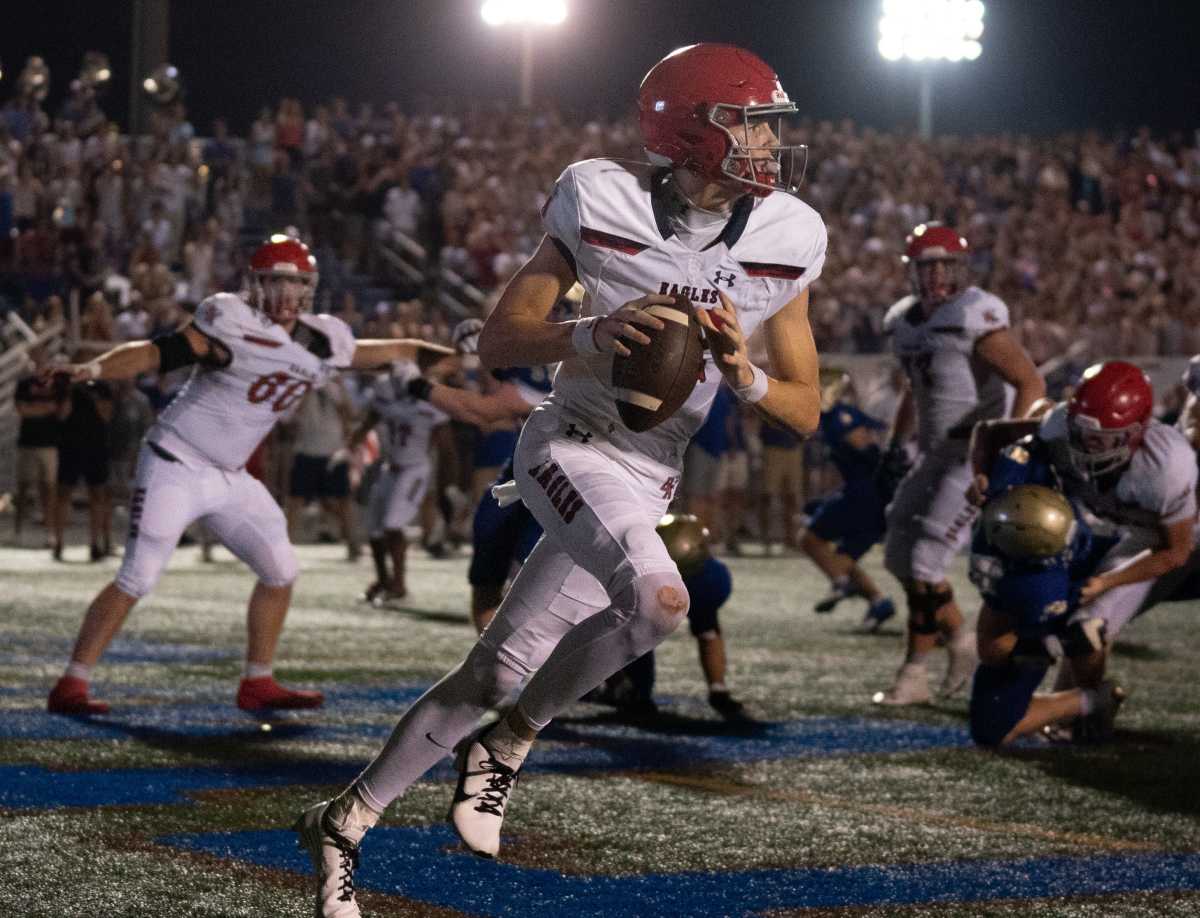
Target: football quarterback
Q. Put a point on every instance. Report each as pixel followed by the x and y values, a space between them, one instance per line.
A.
pixel 711 219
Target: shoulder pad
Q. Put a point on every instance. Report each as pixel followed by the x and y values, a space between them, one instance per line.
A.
pixel 983 312
pixel 896 312
pixel 337 333
pixel 226 316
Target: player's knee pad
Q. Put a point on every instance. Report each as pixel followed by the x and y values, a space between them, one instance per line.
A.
pixel 923 605
pixel 654 605
pixel 142 565
pixel 277 567
pixel 1000 696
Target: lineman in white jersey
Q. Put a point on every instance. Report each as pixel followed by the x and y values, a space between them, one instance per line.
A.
pixel 953 342
pixel 600 589
pixel 1133 481
pixel 251 363
pixel 395 499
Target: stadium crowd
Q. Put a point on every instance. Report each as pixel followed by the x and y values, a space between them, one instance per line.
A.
pixel 1087 238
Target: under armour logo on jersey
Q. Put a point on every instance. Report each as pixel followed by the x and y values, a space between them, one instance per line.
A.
pixel 576 433
pixel 722 278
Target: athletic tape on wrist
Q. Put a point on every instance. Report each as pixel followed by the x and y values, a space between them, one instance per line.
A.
pixel 583 336
pixel 93 369
pixel 757 390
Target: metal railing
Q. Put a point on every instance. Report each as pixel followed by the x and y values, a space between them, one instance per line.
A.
pixel 410 260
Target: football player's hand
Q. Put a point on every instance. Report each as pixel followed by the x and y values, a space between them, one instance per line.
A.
pixel 64 374
pixel 977 492
pixel 724 335
pixel 625 322
pixel 1093 589
pixel 465 336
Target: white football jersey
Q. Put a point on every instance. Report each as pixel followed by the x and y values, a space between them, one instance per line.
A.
pixel 407 424
pixel 952 388
pixel 1157 488
pixel 610 220
pixel 223 413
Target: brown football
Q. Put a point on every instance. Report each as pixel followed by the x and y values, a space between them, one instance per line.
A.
pixel 655 380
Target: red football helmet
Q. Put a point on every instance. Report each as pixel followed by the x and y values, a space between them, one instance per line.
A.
pixel 718 111
pixel 283 278
pixel 937 262
pixel 1107 415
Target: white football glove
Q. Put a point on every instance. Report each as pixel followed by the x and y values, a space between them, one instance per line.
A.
pixel 465 336
pixel 1191 376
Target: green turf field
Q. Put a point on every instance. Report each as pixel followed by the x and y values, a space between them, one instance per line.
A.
pixel 177 804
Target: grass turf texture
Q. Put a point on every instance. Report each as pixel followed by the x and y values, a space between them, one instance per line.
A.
pixel 855 809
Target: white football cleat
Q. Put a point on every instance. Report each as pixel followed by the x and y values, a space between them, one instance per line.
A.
pixel 911 687
pixel 330 831
pixel 963 660
pixel 485 786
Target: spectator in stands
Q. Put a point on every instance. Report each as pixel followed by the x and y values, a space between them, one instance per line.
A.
pixel 132 417
pixel 40 406
pixel 782 484
pixel 83 456
pixel 321 463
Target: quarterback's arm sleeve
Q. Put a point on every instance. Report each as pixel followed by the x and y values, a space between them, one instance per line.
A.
pixel 560 216
pixel 815 262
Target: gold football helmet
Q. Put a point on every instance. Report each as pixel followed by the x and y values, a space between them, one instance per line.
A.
pixel 686 539
pixel 1029 522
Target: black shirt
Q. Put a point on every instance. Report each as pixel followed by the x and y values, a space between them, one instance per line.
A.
pixel 83 429
pixel 40 432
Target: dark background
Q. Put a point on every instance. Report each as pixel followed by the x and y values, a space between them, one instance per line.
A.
pixel 1047 65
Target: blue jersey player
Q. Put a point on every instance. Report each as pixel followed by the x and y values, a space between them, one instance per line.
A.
pixel 503 534
pixel 709 584
pixel 844 526
pixel 1030 557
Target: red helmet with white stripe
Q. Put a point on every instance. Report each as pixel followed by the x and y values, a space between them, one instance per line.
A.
pixel 1107 416
pixel 283 278
pixel 718 111
pixel 936 257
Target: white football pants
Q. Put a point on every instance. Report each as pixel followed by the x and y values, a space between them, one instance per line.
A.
pixel 598 591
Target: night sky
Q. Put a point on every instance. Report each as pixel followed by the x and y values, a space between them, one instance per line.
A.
pixel 1047 65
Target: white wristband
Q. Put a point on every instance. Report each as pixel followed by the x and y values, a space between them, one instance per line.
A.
pixel 757 390
pixel 583 336
pixel 93 369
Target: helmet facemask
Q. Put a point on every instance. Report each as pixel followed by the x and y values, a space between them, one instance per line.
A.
pixel 756 157
pixel 1096 451
pixel 283 296
pixel 933 287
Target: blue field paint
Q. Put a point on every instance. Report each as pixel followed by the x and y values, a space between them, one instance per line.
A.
pixel 414 862
pixel 124 650
pixel 350 713
pixel 575 747
pixel 30 786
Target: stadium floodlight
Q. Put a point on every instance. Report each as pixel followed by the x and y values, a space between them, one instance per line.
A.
pixel 923 30
pixel 526 14
pixel 930 30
